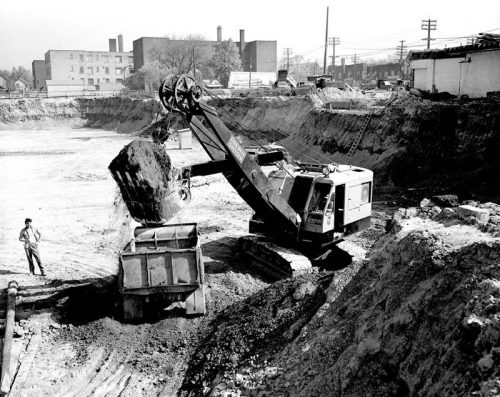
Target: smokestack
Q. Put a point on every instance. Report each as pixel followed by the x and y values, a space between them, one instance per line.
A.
pixel 242 36
pixel 120 43
pixel 219 33
pixel 112 45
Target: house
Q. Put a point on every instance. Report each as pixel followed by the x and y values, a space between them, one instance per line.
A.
pixel 21 85
pixel 466 71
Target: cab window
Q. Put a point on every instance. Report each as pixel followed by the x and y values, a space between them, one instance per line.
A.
pixel 320 197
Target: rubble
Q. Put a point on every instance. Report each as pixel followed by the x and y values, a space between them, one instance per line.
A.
pixel 420 317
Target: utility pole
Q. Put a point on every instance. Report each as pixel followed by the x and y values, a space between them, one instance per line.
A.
pixel 401 54
pixel 326 42
pixel 354 69
pixel 429 24
pixel 194 66
pixel 287 52
pixel 250 75
pixel 333 41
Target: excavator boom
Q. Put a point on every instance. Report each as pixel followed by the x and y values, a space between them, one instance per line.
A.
pixel 240 168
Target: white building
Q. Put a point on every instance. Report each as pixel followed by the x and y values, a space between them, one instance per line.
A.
pixel 92 70
pixel 472 70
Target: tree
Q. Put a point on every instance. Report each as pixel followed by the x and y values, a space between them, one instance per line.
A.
pixel 225 60
pixel 15 74
pixel 149 77
pixel 183 54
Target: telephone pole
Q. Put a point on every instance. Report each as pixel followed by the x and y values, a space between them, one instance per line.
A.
pixel 471 40
pixel 354 69
pixel 286 53
pixel 429 24
pixel 333 41
pixel 326 42
pixel 401 52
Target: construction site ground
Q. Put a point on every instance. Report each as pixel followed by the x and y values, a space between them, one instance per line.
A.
pixel 418 316
pixel 60 179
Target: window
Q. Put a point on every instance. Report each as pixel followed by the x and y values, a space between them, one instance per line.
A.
pixel 83 81
pixel 80 57
pixel 105 58
pixel 130 59
pixel 72 68
pixel 118 59
pixel 91 81
pixel 119 81
pixel 106 70
pixel 88 58
pixel 118 70
pixel 97 69
pixel 106 80
pixel 365 192
pixel 70 56
pixel 96 58
pixel 90 70
pixel 81 69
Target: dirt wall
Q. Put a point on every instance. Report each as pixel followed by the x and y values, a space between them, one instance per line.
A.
pixel 411 142
pixel 114 113
pixel 430 147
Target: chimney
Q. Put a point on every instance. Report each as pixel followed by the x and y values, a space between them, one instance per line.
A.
pixel 112 45
pixel 120 43
pixel 219 33
pixel 242 36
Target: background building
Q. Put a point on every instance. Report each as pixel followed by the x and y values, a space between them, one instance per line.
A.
pixel 94 70
pixel 472 70
pixel 257 56
pixel 3 83
pixel 38 70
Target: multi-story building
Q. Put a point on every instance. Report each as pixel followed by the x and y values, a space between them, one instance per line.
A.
pixel 256 56
pixel 92 70
pixel 89 67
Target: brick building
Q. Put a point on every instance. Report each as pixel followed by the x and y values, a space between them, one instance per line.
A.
pixel 365 73
pixel 38 70
pixel 257 55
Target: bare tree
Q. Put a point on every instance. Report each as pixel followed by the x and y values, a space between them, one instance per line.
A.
pixel 183 54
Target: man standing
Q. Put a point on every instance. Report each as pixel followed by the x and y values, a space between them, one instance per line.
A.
pixel 31 237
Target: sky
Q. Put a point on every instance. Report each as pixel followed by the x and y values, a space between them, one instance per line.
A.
pixel 370 29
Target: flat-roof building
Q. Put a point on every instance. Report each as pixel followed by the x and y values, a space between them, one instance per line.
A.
pixel 472 70
pixel 90 69
pixel 257 55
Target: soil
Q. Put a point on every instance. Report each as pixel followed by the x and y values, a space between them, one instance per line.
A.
pixel 416 314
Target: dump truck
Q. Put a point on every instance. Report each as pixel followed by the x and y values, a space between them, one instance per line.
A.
pixel 159 266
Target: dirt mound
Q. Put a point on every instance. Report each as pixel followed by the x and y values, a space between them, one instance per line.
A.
pixel 144 173
pixel 262 323
pixel 421 318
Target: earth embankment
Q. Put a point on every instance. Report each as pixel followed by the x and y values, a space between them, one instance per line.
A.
pixel 410 142
pixel 428 146
pixel 115 113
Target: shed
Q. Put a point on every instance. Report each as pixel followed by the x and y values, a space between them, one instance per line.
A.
pixel 472 70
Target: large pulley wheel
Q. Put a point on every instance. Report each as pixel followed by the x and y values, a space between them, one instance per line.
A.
pixel 180 93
